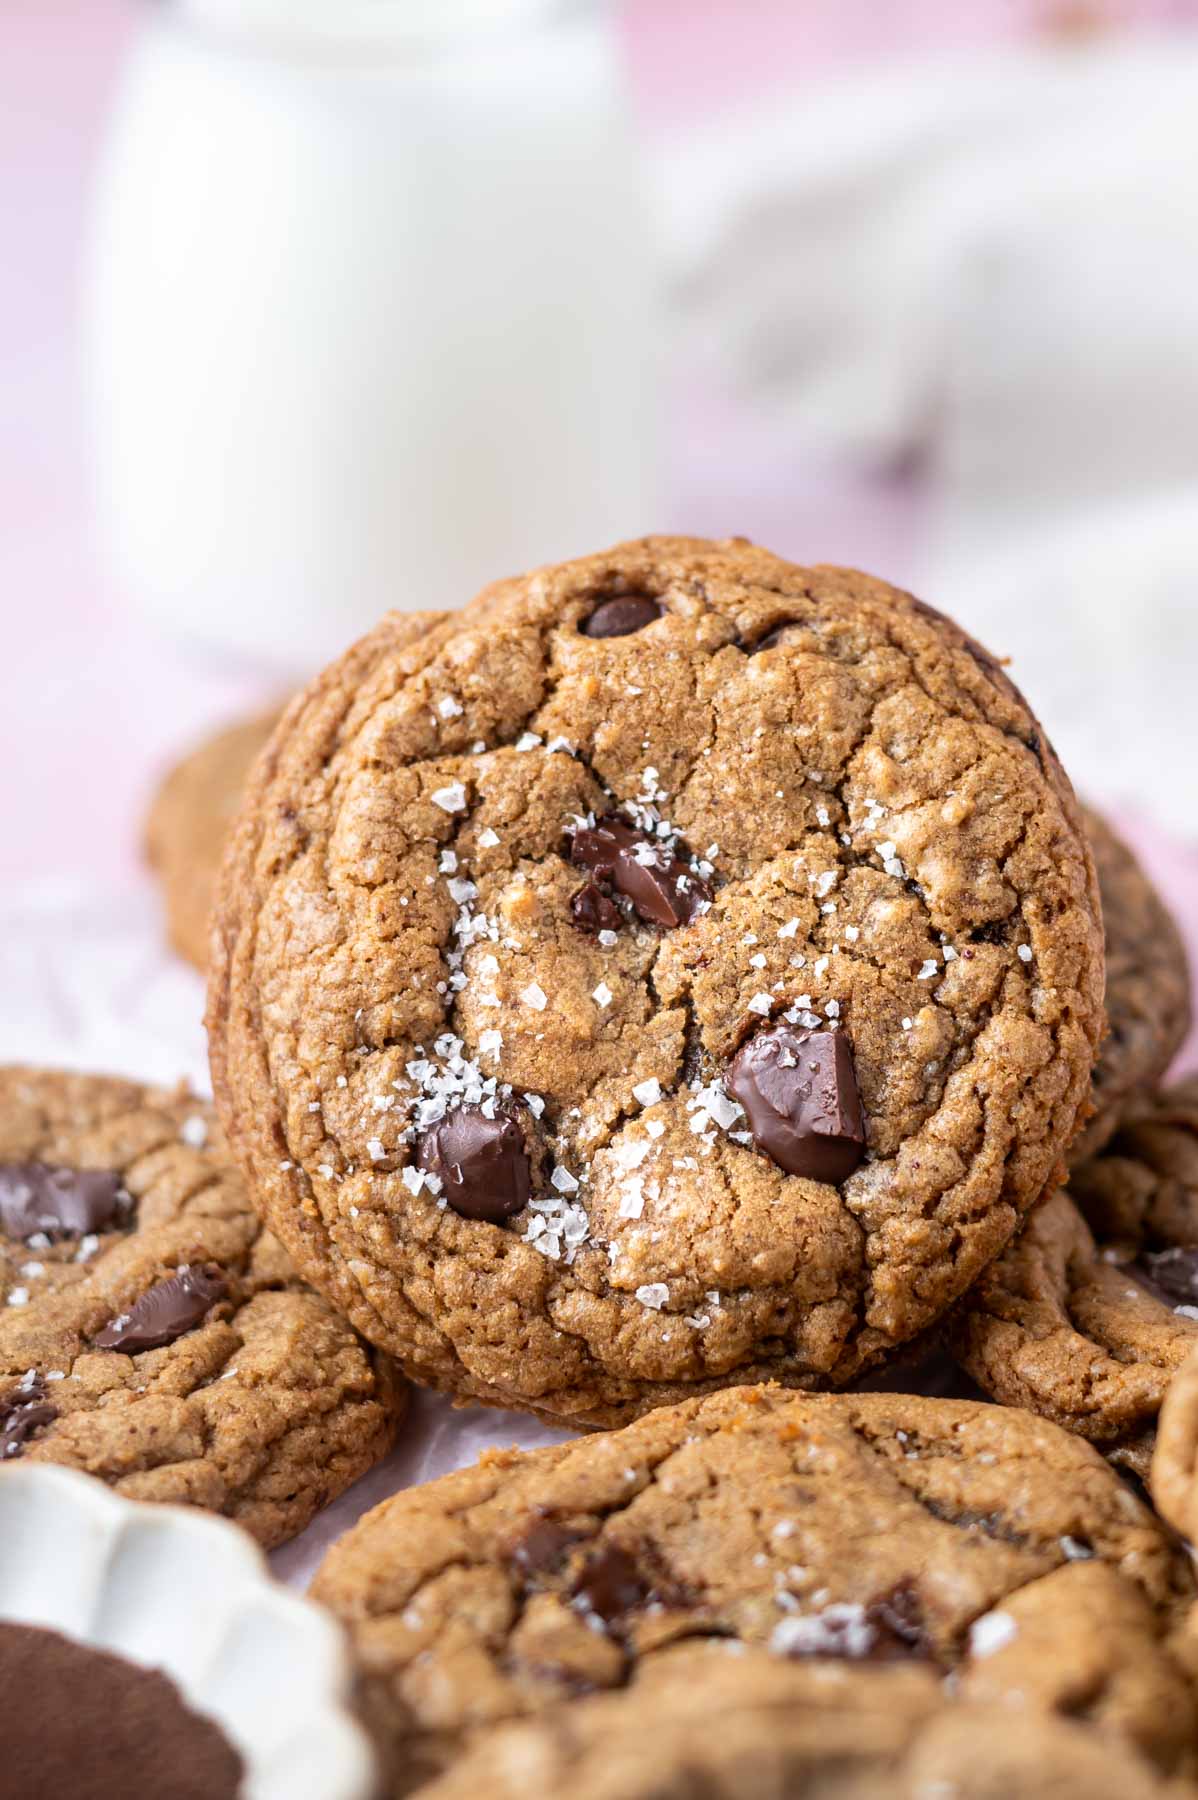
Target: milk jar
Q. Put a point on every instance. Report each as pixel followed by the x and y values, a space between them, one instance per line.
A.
pixel 372 311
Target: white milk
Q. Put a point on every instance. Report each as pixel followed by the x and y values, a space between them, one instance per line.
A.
pixel 372 312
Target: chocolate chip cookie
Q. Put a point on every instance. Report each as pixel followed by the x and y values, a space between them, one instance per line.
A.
pixel 702 1724
pixel 678 967
pixel 977 1547
pixel 1147 986
pixel 1174 1475
pixel 189 821
pixel 1089 1314
pixel 151 1333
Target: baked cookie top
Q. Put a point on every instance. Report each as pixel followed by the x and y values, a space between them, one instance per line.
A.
pixel 678 966
pixel 953 1539
pixel 1147 986
pixel 766 1726
pixel 189 821
pixel 151 1333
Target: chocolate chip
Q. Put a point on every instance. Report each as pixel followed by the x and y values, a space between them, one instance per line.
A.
pixel 771 639
pixel 899 1624
pixel 166 1311
pixel 482 1162
pixel 59 1203
pixel 542 1547
pixel 622 615
pixel 610 1584
pixel 23 1412
pixel 593 912
pixel 799 1092
pixel 663 890
pixel 1174 1272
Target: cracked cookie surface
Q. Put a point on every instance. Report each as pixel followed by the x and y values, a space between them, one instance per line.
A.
pixel 807 1732
pixel 972 1549
pixel 846 818
pixel 1147 986
pixel 229 1385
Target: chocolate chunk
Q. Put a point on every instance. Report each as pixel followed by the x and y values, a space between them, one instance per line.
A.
pixel 593 912
pixel 662 889
pixel 542 1547
pixel 799 1092
pixel 899 1625
pixel 165 1311
pixel 22 1412
pixel 36 1197
pixel 622 615
pixel 1174 1272
pixel 482 1163
pixel 610 1584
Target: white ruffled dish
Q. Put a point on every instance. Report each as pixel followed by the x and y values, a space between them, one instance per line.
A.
pixel 177 1590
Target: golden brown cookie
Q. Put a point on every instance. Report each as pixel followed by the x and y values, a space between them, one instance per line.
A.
pixel 1141 1195
pixel 189 822
pixel 703 1724
pixel 151 1332
pixel 677 967
pixel 1075 1330
pixel 1088 1315
pixel 979 1549
pixel 1147 986
pixel 1174 1476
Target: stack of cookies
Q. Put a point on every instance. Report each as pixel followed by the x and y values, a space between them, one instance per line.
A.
pixel 679 996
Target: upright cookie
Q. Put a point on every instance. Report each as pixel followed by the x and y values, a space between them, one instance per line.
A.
pixel 152 1333
pixel 705 1725
pixel 189 822
pixel 677 967
pixel 951 1539
pixel 1147 986
pixel 1089 1314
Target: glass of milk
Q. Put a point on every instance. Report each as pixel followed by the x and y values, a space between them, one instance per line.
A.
pixel 372 311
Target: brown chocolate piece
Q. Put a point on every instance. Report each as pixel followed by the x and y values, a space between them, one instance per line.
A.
pixel 82 1722
pixel 1173 1272
pixel 22 1412
pixel 482 1163
pixel 799 1092
pixel 610 1584
pixel 37 1197
pixel 663 890
pixel 542 1547
pixel 593 912
pixel 622 615
pixel 165 1311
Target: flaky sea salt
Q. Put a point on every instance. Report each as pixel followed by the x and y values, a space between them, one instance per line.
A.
pixel 450 799
pixel 654 1295
pixel 648 1093
pixel 993 1631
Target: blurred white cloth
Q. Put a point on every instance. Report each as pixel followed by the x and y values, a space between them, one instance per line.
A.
pixel 989 263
